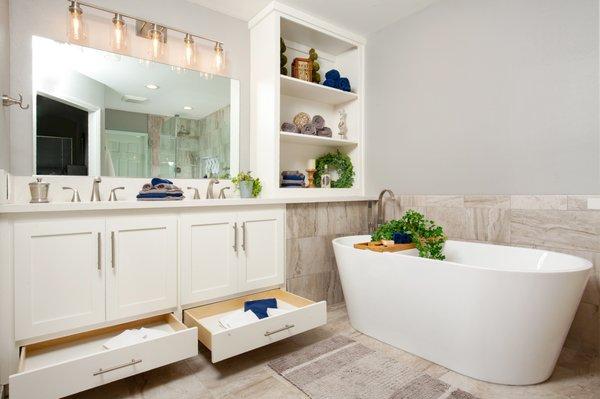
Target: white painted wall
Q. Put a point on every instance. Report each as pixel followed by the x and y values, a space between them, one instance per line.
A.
pixel 4 85
pixel 486 97
pixel 47 18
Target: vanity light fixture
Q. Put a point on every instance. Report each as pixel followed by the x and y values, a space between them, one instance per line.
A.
pixel 152 86
pixel 76 27
pixel 190 50
pixel 118 35
pixel 218 63
pixel 155 32
pixel 188 108
pixel 156 42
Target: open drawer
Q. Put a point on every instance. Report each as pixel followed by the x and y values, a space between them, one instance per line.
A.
pixel 302 315
pixel 63 366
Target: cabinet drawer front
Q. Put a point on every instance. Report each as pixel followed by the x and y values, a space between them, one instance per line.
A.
pixel 228 343
pixel 49 380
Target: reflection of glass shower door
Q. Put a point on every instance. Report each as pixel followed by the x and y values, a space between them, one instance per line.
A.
pixel 129 153
pixel 168 149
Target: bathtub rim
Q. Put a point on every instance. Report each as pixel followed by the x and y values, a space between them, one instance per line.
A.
pixel 587 265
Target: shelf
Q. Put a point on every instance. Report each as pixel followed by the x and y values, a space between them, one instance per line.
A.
pixel 315 140
pixel 314 92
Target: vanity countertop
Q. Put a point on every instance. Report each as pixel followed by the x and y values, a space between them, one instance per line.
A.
pixel 187 203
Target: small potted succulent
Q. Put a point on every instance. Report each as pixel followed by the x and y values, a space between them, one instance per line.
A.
pixel 249 186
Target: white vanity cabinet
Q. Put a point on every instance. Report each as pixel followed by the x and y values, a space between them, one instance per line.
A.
pixel 59 275
pixel 208 255
pixel 226 252
pixel 142 273
pixel 263 249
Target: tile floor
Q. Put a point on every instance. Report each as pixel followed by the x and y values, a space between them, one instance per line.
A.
pixel 577 375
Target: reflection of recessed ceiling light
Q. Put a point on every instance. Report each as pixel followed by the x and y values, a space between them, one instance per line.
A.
pixel 151 86
pixel 188 108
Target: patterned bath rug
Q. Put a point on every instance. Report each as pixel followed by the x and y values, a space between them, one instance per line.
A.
pixel 341 368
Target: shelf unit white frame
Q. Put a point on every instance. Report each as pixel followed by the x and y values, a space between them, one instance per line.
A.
pixel 275 98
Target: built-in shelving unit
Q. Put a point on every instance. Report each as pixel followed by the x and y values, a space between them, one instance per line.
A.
pixel 296 138
pixel 277 98
pixel 314 92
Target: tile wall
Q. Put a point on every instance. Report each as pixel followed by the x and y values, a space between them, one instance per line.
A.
pixel 559 223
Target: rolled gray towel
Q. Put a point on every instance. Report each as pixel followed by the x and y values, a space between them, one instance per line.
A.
pixel 310 129
pixel 325 132
pixel 289 127
pixel 318 121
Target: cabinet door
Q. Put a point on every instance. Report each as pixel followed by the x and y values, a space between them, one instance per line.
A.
pixel 59 275
pixel 262 244
pixel 208 256
pixel 142 266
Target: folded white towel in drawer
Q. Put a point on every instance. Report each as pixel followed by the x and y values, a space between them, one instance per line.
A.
pixel 132 337
pixel 276 311
pixel 237 319
pixel 126 338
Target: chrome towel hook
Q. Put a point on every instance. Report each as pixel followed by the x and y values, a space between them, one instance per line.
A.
pixel 7 101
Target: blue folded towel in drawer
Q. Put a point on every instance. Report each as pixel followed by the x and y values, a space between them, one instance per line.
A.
pixel 259 306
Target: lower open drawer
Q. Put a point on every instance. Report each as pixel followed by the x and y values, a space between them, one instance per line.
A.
pixel 63 366
pixel 302 315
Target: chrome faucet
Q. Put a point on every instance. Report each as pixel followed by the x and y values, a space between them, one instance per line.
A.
pixel 380 219
pixel 209 190
pixel 222 192
pixel 96 190
pixel 113 193
pixel 196 193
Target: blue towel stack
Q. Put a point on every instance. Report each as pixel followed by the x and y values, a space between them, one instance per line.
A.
pixel 259 307
pixel 160 190
pixel 292 179
pixel 334 80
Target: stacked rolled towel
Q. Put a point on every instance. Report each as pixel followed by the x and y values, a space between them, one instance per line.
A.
pixel 292 179
pixel 325 132
pixel 160 190
pixel 333 79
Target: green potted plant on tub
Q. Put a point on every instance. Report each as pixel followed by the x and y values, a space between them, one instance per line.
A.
pixel 249 186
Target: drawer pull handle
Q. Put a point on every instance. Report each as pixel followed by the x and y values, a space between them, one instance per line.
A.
pixel 133 362
pixel 287 327
pixel 112 249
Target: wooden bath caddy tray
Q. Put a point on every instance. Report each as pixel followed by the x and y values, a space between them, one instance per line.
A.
pixel 377 246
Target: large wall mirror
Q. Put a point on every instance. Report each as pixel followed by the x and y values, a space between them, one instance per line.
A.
pixel 99 113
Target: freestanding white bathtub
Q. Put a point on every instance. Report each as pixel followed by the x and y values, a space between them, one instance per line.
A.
pixel 495 313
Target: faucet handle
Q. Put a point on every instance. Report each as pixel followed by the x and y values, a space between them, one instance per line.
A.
pixel 196 192
pixel 75 197
pixel 222 192
pixel 113 193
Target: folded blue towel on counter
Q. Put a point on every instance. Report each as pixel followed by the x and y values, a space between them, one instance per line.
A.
pixel 333 75
pixel 158 180
pixel 152 195
pixel 259 306
pixel 344 84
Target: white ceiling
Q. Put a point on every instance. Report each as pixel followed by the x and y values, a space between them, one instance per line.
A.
pixel 359 16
